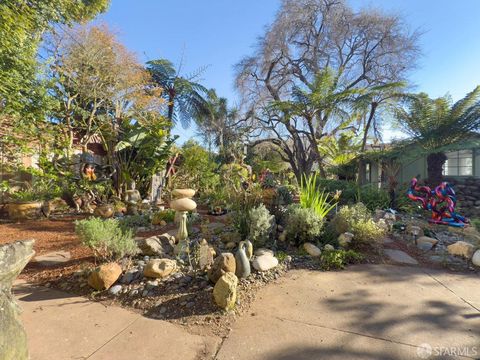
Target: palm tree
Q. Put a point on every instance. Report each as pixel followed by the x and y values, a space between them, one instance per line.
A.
pixel 219 124
pixel 435 123
pixel 184 96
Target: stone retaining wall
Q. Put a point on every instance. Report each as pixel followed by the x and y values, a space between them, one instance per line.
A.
pixel 468 195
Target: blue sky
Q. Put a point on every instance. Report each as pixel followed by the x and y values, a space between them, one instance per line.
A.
pixel 218 33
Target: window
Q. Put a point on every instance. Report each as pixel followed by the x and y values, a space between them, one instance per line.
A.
pixel 459 163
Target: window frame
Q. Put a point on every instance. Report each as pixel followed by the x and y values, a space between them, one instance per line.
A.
pixel 458 166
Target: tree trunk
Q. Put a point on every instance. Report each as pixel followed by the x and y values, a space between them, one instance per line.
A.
pixel 435 162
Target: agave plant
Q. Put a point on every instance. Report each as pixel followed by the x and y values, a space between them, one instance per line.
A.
pixel 312 198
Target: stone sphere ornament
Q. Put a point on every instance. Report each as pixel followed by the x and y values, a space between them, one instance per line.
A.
pixel 182 206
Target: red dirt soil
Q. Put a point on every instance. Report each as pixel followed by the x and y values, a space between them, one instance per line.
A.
pixel 50 235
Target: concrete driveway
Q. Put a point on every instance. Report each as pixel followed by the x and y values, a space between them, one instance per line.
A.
pixel 365 312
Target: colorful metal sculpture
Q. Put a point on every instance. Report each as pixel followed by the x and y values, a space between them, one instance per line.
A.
pixel 432 201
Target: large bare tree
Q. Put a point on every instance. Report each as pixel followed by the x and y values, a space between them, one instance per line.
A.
pixel 311 64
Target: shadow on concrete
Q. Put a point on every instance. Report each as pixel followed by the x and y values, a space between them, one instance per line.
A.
pixel 31 293
pixel 185 305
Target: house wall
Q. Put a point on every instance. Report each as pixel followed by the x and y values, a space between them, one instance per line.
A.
pixel 476 163
pixel 412 169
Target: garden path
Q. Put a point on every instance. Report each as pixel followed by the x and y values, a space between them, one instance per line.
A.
pixel 364 312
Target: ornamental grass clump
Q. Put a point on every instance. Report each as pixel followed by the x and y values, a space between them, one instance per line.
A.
pixel 312 198
pixel 107 238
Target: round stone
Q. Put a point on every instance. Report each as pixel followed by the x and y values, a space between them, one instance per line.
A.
pixel 183 193
pixel 184 204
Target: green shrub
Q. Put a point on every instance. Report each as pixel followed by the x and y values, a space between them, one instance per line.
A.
pixel 349 214
pixel 374 198
pixel 357 220
pixel 284 195
pixel 476 223
pixel 338 259
pixel 107 238
pixel 167 215
pixel 329 235
pixel 303 225
pixel 135 221
pixel 367 232
pixel 349 189
pixel 261 224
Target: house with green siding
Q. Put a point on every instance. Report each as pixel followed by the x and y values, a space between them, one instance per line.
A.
pixel 463 161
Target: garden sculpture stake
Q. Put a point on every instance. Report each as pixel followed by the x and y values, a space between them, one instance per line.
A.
pixel 432 201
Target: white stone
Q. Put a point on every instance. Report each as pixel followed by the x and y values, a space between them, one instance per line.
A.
pixel 476 258
pixel 328 247
pixel 263 251
pixel 312 250
pixel 265 262
pixel 114 290
pixel 461 248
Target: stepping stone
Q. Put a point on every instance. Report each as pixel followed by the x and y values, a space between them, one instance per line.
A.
pixel 53 258
pixel 400 257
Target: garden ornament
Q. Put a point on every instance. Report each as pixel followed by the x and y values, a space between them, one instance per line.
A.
pixel 88 172
pixel 242 269
pixel 182 206
pixel 432 199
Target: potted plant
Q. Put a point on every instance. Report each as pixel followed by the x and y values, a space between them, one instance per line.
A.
pixel 24 204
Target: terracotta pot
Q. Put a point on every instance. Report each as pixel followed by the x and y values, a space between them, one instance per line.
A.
pixel 24 210
pixel 104 211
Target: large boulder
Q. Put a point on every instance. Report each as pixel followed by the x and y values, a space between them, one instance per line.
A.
pixel 461 248
pixel 13 339
pixel 159 268
pixel 225 291
pixel 104 276
pixel 161 245
pixel 223 263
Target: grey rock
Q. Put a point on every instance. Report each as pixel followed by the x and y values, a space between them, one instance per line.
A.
pixel 13 339
pixel 130 276
pixel 425 246
pixel 156 245
pixel 400 257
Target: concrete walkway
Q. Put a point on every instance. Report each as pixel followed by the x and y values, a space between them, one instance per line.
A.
pixel 365 312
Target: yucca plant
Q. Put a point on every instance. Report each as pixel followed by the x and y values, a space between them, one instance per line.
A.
pixel 312 198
